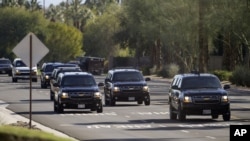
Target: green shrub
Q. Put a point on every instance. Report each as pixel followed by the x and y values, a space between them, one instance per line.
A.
pixel 169 71
pixel 223 75
pixel 241 76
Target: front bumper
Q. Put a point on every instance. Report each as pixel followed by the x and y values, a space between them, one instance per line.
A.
pixel 5 70
pixel 25 76
pixel 68 103
pixel 131 96
pixel 206 109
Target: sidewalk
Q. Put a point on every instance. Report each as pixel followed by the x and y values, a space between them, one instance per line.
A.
pixel 9 117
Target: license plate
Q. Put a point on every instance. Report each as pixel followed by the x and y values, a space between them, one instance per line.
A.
pixel 131 98
pixel 81 105
pixel 206 112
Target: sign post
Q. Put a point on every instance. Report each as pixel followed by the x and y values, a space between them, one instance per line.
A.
pixel 31 50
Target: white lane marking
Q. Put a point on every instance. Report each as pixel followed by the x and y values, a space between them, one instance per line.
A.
pixel 185 131
pixel 210 137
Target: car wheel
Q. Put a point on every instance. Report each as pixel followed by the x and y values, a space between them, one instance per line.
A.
pixel 14 79
pixel 34 80
pixel 139 102
pixel 172 115
pixel 55 106
pixel 226 116
pixel 99 109
pixel 147 101
pixel 181 114
pixel 106 100
pixel 111 102
pixel 215 116
pixel 59 108
pixel 51 95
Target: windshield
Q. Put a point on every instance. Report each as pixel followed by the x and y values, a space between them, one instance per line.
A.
pixel 200 82
pixel 5 62
pixel 20 64
pixel 78 81
pixel 128 76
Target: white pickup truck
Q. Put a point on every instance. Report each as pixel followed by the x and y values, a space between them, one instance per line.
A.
pixel 21 71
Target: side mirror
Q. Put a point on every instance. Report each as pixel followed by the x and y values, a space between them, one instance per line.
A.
pixel 174 87
pixel 100 84
pixel 106 80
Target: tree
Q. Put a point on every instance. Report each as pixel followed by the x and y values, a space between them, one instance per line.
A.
pixel 64 42
pixel 99 33
pixel 22 22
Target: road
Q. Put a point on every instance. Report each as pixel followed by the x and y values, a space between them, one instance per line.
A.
pixel 127 120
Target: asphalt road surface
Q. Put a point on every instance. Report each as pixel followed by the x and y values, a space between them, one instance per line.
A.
pixel 126 121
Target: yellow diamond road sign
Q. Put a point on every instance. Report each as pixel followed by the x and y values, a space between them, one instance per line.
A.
pixel 30 42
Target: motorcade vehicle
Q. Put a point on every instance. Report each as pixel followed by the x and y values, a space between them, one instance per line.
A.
pixel 21 71
pixel 55 74
pixel 77 90
pixel 124 84
pixel 198 94
pixel 46 71
pixel 5 66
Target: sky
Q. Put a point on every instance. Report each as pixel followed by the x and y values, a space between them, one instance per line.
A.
pixel 48 2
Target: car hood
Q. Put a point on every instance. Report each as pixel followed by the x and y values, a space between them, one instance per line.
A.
pixel 129 83
pixel 5 65
pixel 26 68
pixel 81 89
pixel 205 91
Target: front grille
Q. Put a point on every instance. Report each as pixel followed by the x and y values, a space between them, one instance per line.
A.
pixel 81 95
pixel 128 89
pixel 206 99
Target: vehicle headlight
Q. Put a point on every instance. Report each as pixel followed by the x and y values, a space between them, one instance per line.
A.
pixel 17 71
pixel 145 88
pixel 224 98
pixel 65 95
pixel 46 77
pixel 98 95
pixel 187 99
pixel 116 89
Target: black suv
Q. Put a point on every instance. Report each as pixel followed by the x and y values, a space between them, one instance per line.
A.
pixel 198 94
pixel 77 90
pixel 5 66
pixel 55 74
pixel 126 85
pixel 46 71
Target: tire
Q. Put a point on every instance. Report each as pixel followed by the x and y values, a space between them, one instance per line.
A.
pixel 172 115
pixel 215 116
pixel 226 116
pixel 55 106
pixel 139 102
pixel 147 101
pixel 112 102
pixel 34 79
pixel 14 79
pixel 99 109
pixel 106 100
pixel 42 85
pixel 59 106
pixel 51 95
pixel 181 114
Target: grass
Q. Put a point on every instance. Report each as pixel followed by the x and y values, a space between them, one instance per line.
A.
pixel 13 133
